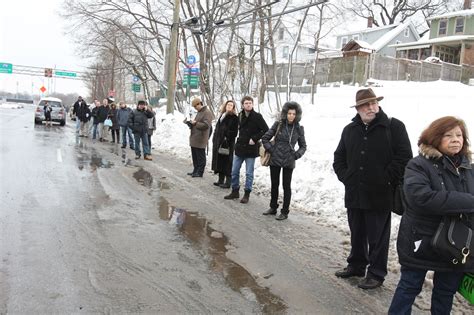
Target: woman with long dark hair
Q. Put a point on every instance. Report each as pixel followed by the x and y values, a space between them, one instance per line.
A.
pixel 223 143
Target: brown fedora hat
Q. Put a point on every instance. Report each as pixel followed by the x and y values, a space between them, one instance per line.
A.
pixel 366 95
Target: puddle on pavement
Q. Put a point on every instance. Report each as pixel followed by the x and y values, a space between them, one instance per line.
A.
pixel 196 229
pixel 125 160
pixel 143 177
pixel 91 161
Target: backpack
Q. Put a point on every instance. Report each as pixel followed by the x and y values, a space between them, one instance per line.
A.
pixel 398 197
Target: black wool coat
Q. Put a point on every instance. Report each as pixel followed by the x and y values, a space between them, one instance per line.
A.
pixel 251 127
pixel 224 135
pixel 369 164
pixel 102 113
pixel 83 113
pixel 433 187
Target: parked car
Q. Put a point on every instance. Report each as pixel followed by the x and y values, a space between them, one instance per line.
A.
pixel 57 115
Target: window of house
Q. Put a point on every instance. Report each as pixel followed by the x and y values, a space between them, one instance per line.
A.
pixel 406 32
pixel 344 41
pixel 460 25
pixel 398 42
pixel 281 33
pixel 285 51
pixel 443 25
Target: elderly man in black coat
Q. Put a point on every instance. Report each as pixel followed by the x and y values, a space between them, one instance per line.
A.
pixel 370 160
pixel 252 127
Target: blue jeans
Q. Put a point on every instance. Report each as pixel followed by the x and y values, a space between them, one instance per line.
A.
pixel 445 285
pixel 124 130
pixel 94 131
pixel 78 124
pixel 144 138
pixel 249 168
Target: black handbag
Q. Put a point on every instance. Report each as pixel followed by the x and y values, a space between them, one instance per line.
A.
pixel 398 202
pixel 453 239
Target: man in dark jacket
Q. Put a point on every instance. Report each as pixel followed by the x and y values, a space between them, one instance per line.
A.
pixel 252 127
pixel 83 114
pixel 138 122
pixel 75 111
pixel 102 114
pixel 122 118
pixel 370 160
pixel 200 127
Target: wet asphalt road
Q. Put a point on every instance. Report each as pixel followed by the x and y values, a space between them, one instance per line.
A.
pixel 84 228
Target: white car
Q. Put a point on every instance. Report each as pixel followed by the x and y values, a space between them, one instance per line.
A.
pixel 57 115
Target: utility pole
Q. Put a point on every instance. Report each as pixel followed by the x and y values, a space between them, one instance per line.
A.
pixel 172 58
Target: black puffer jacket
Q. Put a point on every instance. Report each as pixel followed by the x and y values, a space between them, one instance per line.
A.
pixel 433 188
pixel 368 163
pixel 252 127
pixel 138 120
pixel 283 152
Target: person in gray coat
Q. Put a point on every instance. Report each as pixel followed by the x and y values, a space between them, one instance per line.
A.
pixel 138 122
pixel 284 155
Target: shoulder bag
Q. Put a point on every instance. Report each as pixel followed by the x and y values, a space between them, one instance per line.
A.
pixel 265 155
pixel 453 239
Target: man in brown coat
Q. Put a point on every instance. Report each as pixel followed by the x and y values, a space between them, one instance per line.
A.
pixel 200 127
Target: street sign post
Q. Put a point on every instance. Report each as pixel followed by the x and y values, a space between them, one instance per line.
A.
pixel 65 74
pixel 6 67
pixel 136 87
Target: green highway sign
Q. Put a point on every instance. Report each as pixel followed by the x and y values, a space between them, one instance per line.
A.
pixel 6 67
pixel 65 74
pixel 136 87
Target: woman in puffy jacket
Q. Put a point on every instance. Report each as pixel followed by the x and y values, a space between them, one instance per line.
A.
pixel 438 182
pixel 288 132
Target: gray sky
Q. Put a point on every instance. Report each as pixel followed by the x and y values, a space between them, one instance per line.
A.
pixel 32 34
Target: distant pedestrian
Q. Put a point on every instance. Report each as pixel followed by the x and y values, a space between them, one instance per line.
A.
pixel 75 111
pixel 151 126
pixel 115 129
pixel 47 109
pixel 83 115
pixel 287 132
pixel 102 115
pixel 227 127
pixel 122 118
pixel 96 132
pixel 370 160
pixel 138 122
pixel 252 127
pixel 200 127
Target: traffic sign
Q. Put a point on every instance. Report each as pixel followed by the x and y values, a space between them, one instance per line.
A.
pixel 6 68
pixel 135 79
pixel 111 93
pixel 191 59
pixel 43 89
pixel 65 74
pixel 48 72
pixel 136 87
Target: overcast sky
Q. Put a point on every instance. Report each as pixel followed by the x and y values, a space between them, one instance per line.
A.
pixel 32 34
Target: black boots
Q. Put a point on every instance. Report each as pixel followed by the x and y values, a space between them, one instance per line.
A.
pixel 220 181
pixel 245 198
pixel 233 195
pixel 226 184
pixel 270 212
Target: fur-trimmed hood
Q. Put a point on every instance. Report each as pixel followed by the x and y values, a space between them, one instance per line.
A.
pixel 430 152
pixel 286 107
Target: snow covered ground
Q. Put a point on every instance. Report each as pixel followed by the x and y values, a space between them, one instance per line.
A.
pixel 316 189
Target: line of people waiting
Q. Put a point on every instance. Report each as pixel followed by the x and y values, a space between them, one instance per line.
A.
pixel 100 119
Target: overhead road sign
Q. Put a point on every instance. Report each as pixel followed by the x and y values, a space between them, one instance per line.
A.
pixel 65 74
pixel 6 67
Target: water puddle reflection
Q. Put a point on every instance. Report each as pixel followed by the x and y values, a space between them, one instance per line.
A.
pixel 92 160
pixel 143 177
pixel 196 229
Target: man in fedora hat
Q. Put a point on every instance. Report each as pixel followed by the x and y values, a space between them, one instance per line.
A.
pixel 370 160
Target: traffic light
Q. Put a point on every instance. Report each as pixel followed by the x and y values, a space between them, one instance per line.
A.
pixel 48 72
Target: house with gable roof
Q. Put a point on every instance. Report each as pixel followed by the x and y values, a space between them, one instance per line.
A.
pixel 450 38
pixel 377 39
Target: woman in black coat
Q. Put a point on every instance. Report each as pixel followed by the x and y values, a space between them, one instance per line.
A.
pixel 224 137
pixel 283 154
pixel 438 182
